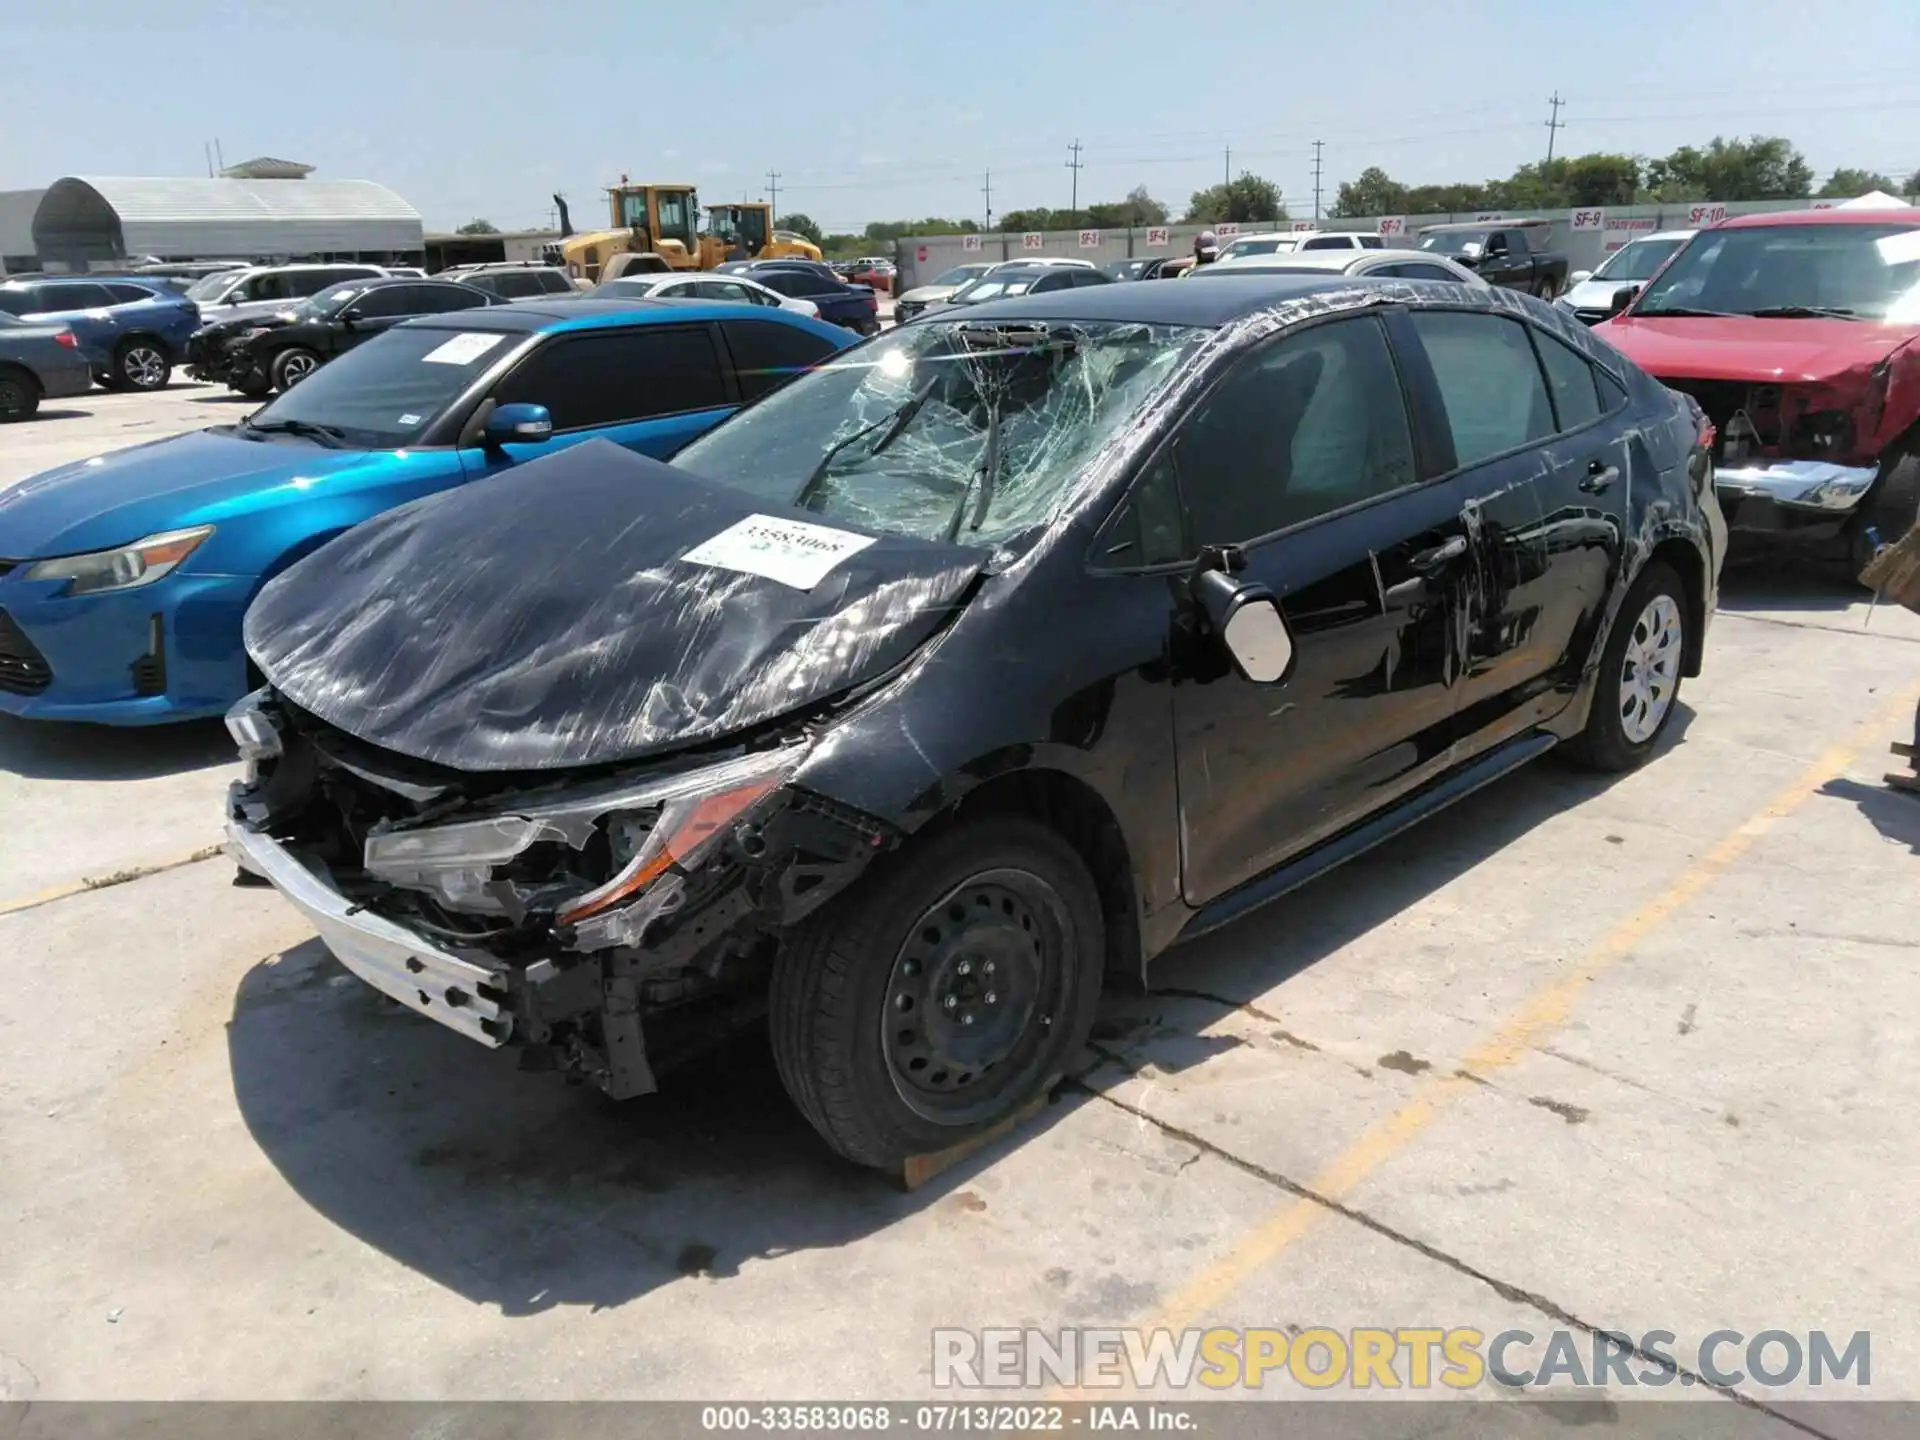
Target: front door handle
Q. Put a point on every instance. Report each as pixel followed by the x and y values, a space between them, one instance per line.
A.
pixel 1600 476
pixel 1439 557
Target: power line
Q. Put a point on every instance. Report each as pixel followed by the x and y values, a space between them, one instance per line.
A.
pixel 1075 166
pixel 1554 123
pixel 773 195
pixel 1318 146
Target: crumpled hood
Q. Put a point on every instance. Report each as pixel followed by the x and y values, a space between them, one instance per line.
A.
pixel 549 617
pixel 1782 352
pixel 162 485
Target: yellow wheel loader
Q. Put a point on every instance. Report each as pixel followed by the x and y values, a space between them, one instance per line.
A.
pixel 655 228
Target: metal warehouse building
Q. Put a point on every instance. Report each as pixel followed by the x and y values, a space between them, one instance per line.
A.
pixel 88 220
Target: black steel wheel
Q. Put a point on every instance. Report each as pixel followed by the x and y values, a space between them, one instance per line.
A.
pixel 947 988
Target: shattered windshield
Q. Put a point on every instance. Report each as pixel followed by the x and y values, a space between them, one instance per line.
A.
pixel 1794 271
pixel 972 431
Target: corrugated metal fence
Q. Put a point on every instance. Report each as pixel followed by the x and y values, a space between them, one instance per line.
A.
pixel 1587 236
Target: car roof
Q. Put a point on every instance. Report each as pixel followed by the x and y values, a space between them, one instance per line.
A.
pixel 553 313
pixel 1330 258
pixel 1500 224
pixel 1223 300
pixel 1907 215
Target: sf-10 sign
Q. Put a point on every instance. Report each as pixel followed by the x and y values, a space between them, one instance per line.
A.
pixel 1706 215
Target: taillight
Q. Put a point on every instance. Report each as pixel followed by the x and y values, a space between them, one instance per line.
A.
pixel 66 341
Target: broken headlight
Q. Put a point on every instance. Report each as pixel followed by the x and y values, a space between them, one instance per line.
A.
pixel 655 831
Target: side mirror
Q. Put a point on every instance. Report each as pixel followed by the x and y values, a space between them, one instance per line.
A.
pixel 517 425
pixel 1248 621
pixel 1579 277
pixel 350 318
pixel 1622 298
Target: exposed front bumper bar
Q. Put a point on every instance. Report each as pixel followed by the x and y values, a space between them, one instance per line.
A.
pixel 1798 484
pixel 396 962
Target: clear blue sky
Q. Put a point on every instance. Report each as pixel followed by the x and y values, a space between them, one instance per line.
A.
pixel 894 108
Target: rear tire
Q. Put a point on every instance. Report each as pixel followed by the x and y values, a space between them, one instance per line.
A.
pixel 141 363
pixel 949 987
pixel 19 396
pixel 1548 289
pixel 1638 684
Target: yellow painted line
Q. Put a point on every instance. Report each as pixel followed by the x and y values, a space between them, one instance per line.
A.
pixel 1533 1022
pixel 88 884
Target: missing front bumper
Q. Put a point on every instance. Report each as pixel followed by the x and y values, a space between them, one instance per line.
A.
pixel 461 993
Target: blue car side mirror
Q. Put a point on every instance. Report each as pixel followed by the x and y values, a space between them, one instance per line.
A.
pixel 518 425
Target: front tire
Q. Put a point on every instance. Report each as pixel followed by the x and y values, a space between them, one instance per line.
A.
pixel 948 988
pixel 1639 679
pixel 292 366
pixel 141 364
pixel 19 396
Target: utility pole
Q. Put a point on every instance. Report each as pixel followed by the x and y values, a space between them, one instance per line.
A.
pixel 1226 170
pixel 773 196
pixel 1074 165
pixel 1318 146
pixel 987 190
pixel 207 145
pixel 1554 122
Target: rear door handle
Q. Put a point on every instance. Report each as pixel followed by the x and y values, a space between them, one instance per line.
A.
pixel 1600 476
pixel 1439 557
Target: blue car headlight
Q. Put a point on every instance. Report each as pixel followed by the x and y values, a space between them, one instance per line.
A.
pixel 126 568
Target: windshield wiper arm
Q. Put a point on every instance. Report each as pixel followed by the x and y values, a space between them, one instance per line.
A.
pixel 988 471
pixel 892 423
pixel 332 434
pixel 1803 312
pixel 1681 310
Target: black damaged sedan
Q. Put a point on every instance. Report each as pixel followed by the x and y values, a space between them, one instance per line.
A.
pixel 970 671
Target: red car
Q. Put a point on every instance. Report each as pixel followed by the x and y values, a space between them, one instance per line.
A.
pixel 875 274
pixel 1795 332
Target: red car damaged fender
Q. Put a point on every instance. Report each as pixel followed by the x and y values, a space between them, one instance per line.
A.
pixel 1795 333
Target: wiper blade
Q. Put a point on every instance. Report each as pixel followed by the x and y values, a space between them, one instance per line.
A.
pixel 332 434
pixel 892 424
pixel 1804 312
pixel 987 473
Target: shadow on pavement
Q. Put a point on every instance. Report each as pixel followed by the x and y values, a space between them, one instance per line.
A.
pixel 45 414
pixel 231 397
pixel 1788 580
pixel 56 750
pixel 1894 813
pixel 520 1191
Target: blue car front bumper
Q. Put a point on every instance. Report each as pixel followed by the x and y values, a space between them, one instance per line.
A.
pixel 162 652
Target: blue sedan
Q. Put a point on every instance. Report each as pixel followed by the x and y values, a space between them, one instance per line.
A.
pixel 125 577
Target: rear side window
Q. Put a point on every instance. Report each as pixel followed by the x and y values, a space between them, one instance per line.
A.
pixel 1570 379
pixel 129 294
pixel 552 282
pixel 615 378
pixel 516 286
pixel 17 302
pixel 438 299
pixel 1489 380
pixel 767 354
pixel 303 283
pixel 1422 270
pixel 1372 242
pixel 386 301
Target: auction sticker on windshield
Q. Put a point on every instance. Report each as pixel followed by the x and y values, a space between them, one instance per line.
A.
pixel 463 349
pixel 792 552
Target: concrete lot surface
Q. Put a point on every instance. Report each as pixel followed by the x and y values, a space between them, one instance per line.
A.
pixel 1635 1056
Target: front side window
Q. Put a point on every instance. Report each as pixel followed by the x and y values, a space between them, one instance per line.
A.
pixel 970 430
pixel 1489 380
pixel 385 393
pixel 617 377
pixel 1309 424
pixel 211 288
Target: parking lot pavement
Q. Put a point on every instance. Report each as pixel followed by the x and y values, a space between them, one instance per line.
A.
pixel 1634 1055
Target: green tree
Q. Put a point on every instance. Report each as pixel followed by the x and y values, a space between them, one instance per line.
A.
pixel 842 245
pixel 801 224
pixel 1247 198
pixel 1138 209
pixel 1844 183
pixel 1913 183
pixel 1599 179
pixel 1761 167
pixel 1041 218
pixel 478 227
pixel 1371 192
pixel 1443 199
